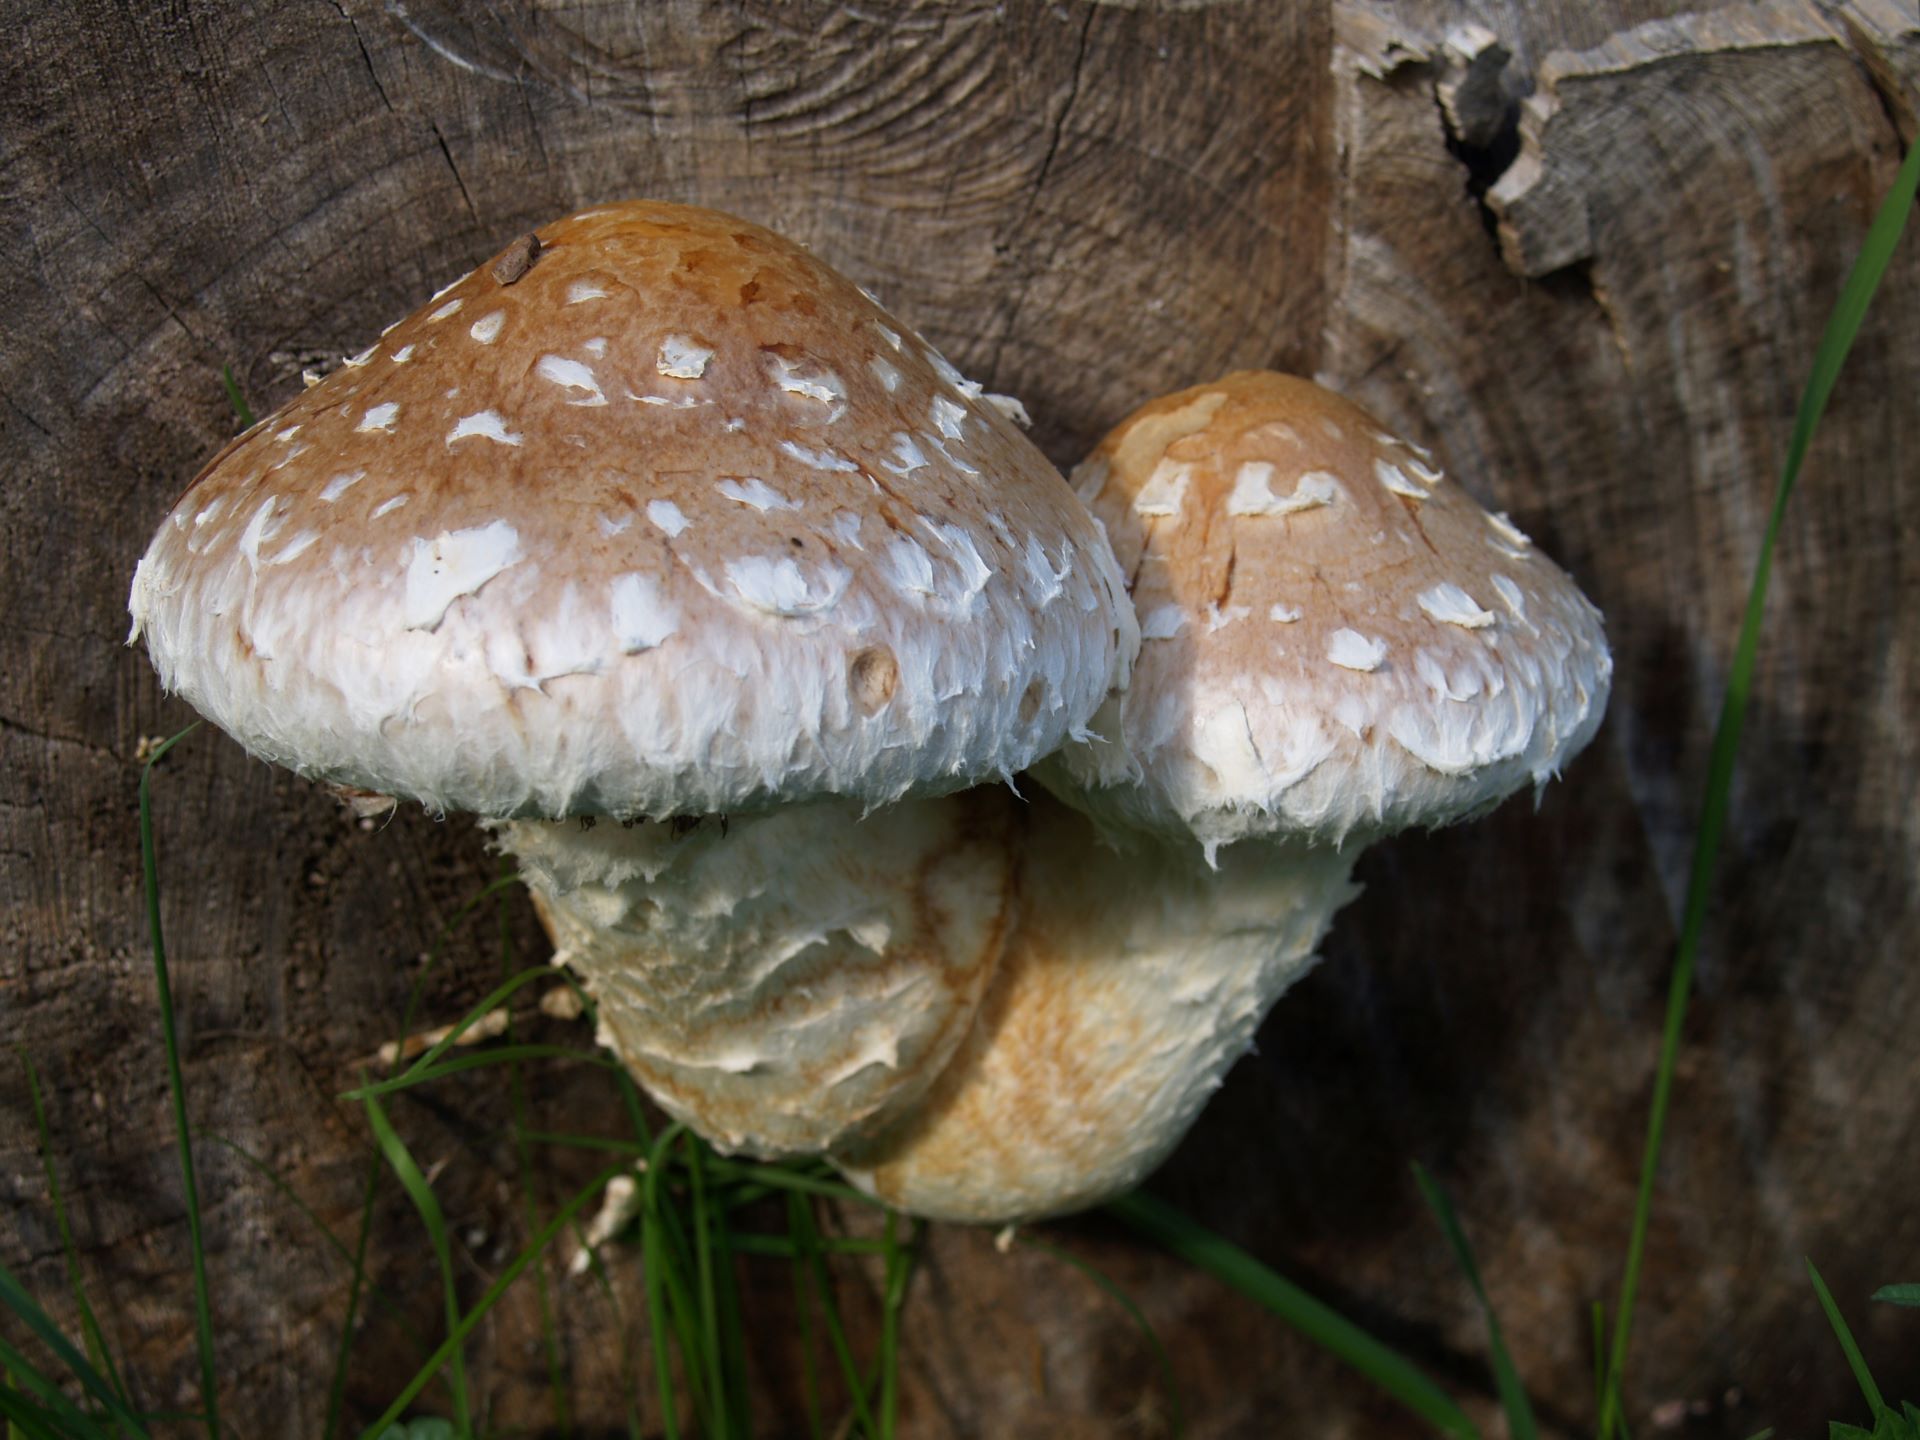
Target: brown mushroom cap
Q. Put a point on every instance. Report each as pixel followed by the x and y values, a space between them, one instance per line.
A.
pixel 1337 639
pixel 658 516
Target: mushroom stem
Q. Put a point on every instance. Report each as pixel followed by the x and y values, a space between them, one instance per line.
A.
pixel 788 981
pixel 1130 984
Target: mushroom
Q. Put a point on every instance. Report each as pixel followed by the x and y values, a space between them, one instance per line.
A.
pixel 658 517
pixel 1339 642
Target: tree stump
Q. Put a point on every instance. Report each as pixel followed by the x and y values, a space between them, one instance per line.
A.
pixel 1584 251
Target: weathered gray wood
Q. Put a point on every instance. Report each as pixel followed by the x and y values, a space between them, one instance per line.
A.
pixel 1633 404
pixel 1083 204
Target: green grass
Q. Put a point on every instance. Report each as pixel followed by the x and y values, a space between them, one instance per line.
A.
pixel 1385 1369
pixel 1836 342
pixel 457 1336
pixel 177 1091
pixel 334 1243
pixel 420 1192
pixel 376 1167
pixel 1888 1423
pixel 687 1240
pixel 235 398
pixel 688 1236
pixel 1855 1360
pixel 34 1403
pixel 523 1156
pixel 98 1355
pixel 1521 1424
pixel 105 1412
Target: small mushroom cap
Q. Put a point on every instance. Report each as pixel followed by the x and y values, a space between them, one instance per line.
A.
pixel 1337 639
pixel 659 516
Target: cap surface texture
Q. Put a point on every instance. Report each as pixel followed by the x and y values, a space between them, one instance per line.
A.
pixel 660 516
pixel 1337 639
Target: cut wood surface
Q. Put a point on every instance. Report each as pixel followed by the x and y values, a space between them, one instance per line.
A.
pixel 1582 250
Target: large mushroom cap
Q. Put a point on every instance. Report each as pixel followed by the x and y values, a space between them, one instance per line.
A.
pixel 1337 639
pixel 672 519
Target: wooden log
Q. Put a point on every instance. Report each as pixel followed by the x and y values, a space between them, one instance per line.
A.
pixel 1591 277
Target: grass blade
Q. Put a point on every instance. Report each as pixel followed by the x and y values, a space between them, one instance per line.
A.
pixel 235 398
pixel 807 1237
pixel 589 1142
pixel 451 1346
pixel 897 1270
pixel 492 1001
pixel 414 1182
pixel 14 1297
pixel 517 1099
pixel 494 1055
pixel 662 1281
pixel 68 1419
pixel 1333 1332
pixel 1602 1382
pixel 549 1327
pixel 733 1334
pixel 707 1293
pixel 1855 1360
pixel 1120 1297
pixel 96 1342
pixel 803 1310
pixel 150 875
pixel 630 1101
pixel 629 1375
pixel 679 1271
pixel 1835 342
pixel 782 1178
pixel 27 1420
pixel 439 949
pixel 1521 1424
pixel 337 1387
pixel 376 1164
pixel 653 1274
pixel 1899 1295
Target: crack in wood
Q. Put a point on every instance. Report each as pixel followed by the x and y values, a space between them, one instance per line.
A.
pixel 365 55
pixel 447 153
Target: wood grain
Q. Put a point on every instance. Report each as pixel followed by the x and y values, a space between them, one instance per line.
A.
pixel 1600 317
